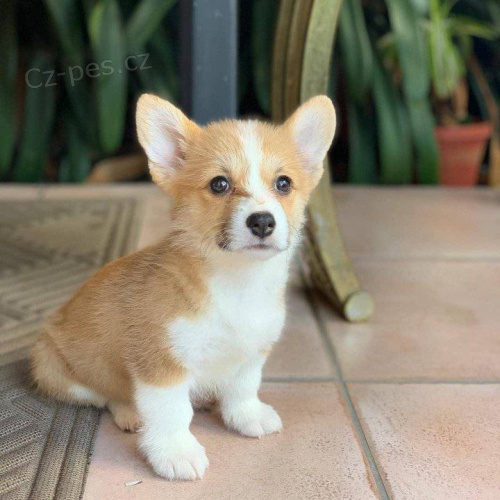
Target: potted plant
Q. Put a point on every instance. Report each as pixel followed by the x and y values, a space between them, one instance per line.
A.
pixel 445 45
pixel 462 141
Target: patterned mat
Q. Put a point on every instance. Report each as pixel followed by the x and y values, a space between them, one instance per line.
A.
pixel 47 249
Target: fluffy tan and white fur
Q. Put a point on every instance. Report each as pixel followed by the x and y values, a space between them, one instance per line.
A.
pixel 194 316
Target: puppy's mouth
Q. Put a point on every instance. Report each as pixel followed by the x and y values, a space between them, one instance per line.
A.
pixel 260 246
pixel 263 249
pixel 225 243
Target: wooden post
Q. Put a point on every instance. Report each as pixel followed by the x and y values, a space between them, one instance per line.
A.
pixel 209 48
pixel 301 69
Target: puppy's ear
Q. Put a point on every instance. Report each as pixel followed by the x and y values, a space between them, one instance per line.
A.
pixel 312 127
pixel 163 132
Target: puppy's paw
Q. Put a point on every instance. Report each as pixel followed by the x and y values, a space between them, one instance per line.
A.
pixel 125 416
pixel 180 458
pixel 253 420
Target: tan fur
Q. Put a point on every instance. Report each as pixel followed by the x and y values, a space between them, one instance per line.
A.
pixel 122 309
pixel 218 151
pixel 125 416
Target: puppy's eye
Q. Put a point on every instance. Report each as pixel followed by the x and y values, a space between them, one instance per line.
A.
pixel 219 185
pixel 283 184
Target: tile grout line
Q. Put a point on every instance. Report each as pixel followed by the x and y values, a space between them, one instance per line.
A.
pixel 302 380
pixel 382 490
pixel 422 382
pixel 432 259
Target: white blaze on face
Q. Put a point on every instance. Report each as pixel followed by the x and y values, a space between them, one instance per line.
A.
pixel 261 199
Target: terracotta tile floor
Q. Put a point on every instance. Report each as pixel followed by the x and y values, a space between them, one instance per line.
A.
pixel 406 406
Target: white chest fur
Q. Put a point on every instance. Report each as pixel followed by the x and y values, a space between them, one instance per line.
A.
pixel 245 315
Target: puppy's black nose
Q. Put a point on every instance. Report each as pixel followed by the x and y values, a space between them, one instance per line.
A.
pixel 261 224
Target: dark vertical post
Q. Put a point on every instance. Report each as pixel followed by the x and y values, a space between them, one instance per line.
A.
pixel 209 48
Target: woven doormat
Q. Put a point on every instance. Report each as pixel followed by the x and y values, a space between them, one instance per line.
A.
pixel 47 250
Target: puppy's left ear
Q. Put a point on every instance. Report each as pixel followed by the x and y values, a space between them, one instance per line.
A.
pixel 164 132
pixel 313 127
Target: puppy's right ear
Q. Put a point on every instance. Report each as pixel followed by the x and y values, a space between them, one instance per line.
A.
pixel 163 132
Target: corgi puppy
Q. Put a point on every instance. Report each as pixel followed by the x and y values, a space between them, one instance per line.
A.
pixel 193 317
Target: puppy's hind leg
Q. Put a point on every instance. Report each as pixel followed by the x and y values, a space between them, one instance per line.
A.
pixel 125 416
pixel 52 377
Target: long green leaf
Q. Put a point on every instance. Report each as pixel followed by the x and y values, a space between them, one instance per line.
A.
pixel 444 6
pixel 161 75
pixel 413 57
pixel 446 62
pixel 145 20
pixel 65 15
pixel 426 147
pixel 109 47
pixel 478 96
pixel 394 136
pixel 362 168
pixel 80 99
pixel 410 43
pixel 263 21
pixel 163 47
pixel 76 163
pixel 8 71
pixel 421 6
pixel 355 49
pixel 467 26
pixel 494 11
pixel 38 122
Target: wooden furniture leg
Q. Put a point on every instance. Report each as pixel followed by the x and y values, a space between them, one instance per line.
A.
pixel 301 67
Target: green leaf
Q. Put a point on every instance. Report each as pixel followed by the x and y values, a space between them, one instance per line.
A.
pixel 411 47
pixel 264 15
pixel 145 20
pixel 421 6
pixel 446 6
pixel 446 62
pixel 467 26
pixel 426 147
pixel 80 99
pixel 355 48
pixel 479 96
pixel 394 136
pixel 362 151
pixel 160 74
pixel 435 9
pixel 109 47
pixel 76 163
pixel 8 74
pixel 146 37
pixel 494 10
pixel 38 122
pixel 413 57
pixel 65 16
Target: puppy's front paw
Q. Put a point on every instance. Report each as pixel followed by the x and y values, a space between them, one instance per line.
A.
pixel 253 420
pixel 178 458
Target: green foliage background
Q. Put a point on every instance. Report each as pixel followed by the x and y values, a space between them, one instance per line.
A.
pixel 58 131
pixel 61 119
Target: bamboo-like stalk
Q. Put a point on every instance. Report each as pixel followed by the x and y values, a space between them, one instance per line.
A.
pixel 119 169
pixel 301 68
pixel 494 115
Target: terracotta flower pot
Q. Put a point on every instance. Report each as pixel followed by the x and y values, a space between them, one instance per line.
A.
pixel 461 149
